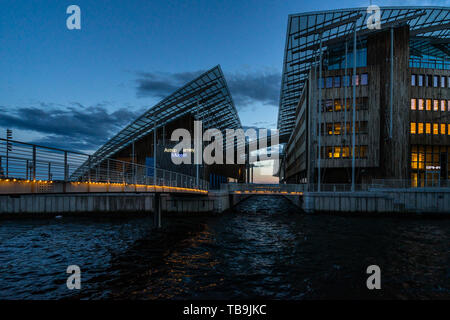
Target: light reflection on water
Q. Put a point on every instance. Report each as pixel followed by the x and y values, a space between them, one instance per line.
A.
pixel 265 249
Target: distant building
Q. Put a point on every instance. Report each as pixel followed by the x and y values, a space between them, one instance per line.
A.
pixel 401 93
pixel 206 98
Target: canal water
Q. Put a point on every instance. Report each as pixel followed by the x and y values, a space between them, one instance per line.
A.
pixel 265 249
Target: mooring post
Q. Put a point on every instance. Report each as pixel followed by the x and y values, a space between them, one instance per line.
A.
pixel 157 211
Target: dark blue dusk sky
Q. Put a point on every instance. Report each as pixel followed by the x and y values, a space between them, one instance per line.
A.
pixel 75 88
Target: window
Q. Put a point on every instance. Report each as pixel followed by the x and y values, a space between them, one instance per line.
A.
pixel 448 82
pixel 329 128
pixel 337 105
pixel 337 82
pixel 414 157
pixel 420 104
pixel 442 105
pixel 330 152
pixel 337 128
pixel 355 80
pixel 442 128
pixel 435 128
pixel 429 80
pixel 364 79
pixel 420 78
pixel 420 128
pixel 435 81
pixel 413 80
pixel 428 128
pixel 428 104
pixel 329 82
pixel 413 104
pixel 413 128
pixel 448 105
pixel 345 152
pixel 448 129
pixel 443 78
pixel 363 127
pixel 329 105
pixel 337 152
pixel 363 152
pixel 436 105
pixel 346 81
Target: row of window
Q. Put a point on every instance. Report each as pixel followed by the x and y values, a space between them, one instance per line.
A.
pixel 343 81
pixel 430 128
pixel 338 128
pixel 428 157
pixel 338 105
pixel 343 152
pixel 435 81
pixel 430 104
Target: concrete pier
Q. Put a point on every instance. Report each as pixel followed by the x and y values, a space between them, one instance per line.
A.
pixel 73 203
pixel 418 201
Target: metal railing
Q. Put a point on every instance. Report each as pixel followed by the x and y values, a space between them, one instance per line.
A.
pixel 429 63
pixel 20 160
pixel 375 185
pixel 264 188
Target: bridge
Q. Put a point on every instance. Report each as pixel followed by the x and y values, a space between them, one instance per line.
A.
pixel 38 180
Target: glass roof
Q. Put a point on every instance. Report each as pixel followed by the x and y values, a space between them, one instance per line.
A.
pixel 207 98
pixel 429 35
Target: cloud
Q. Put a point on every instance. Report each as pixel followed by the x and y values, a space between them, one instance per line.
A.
pixel 255 87
pixel 261 87
pixel 75 128
pixel 162 84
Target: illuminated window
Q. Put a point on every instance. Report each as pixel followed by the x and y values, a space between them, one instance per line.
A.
pixel 448 129
pixel 420 104
pixel 428 128
pixel 435 81
pixel 448 105
pixel 436 105
pixel 337 152
pixel 330 152
pixel 414 181
pixel 428 104
pixel 443 78
pixel 448 82
pixel 413 79
pixel 435 128
pixel 414 158
pixel 421 158
pixel 337 128
pixel 345 152
pixel 442 105
pixel 413 104
pixel 443 128
pixel 329 128
pixel 355 80
pixel 420 128
pixel 337 105
pixel 413 128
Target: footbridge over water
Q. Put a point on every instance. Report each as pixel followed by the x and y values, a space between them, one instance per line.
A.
pixel 36 180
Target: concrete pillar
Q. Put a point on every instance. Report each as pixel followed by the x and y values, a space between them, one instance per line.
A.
pixel 157 211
